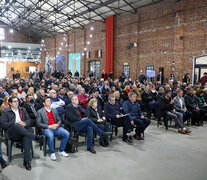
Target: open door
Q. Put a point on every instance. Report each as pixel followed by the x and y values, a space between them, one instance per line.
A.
pixel 200 67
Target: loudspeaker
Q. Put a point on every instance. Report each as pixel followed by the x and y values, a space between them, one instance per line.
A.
pixel 162 70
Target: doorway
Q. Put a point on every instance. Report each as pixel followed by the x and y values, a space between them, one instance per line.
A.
pixel 200 67
pixel 94 66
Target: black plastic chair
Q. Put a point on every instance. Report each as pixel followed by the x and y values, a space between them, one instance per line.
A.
pixel 9 144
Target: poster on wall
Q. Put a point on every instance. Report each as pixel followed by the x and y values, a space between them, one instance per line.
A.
pixel 48 65
pixel 75 63
pixel 60 63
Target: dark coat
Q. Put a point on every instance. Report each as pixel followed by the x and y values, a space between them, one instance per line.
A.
pixel 8 118
pixel 38 103
pixel 133 109
pixel 190 102
pixel 164 105
pixel 111 110
pixel 92 114
pixel 72 117
pixel 28 108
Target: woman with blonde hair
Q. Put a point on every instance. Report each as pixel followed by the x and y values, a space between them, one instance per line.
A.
pixel 31 91
pixel 4 105
pixel 96 116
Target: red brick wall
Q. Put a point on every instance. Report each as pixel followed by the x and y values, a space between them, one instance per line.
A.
pixel 164 32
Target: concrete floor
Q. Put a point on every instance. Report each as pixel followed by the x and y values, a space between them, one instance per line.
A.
pixel 164 155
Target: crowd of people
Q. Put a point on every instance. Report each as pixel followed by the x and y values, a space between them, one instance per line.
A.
pixel 52 105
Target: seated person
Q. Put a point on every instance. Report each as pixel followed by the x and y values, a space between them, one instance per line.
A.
pixel 83 98
pixel 15 121
pixel 38 101
pixel 96 116
pixel 192 106
pixel 95 94
pixel 119 100
pixel 49 120
pixel 149 101
pixel 29 106
pixel 57 104
pixel 180 106
pixel 74 116
pixel 67 98
pixel 165 105
pixel 113 113
pixel 132 108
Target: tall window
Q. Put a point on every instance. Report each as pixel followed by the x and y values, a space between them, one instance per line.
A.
pixel 2 34
pixel 94 66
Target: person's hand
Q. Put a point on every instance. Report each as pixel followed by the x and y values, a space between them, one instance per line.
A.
pixel 103 118
pixel 142 117
pixel 54 103
pixel 172 101
pixel 21 123
pixel 56 126
pixel 99 120
pixel 173 111
pixel 197 108
pixel 117 116
pixel 132 123
pixel 52 126
pixel 184 110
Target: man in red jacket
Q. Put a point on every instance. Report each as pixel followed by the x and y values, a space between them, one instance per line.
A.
pixel 83 98
pixel 204 79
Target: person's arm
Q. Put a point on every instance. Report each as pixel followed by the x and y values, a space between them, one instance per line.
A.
pixel 5 122
pixel 39 121
pixel 27 120
pixel 108 113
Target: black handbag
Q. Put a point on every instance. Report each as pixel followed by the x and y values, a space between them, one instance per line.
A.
pixel 72 145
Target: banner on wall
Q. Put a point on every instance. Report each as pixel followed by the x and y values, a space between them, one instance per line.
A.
pixel 75 63
pixel 60 63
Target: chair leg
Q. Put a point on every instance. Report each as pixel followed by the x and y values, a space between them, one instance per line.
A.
pixel 32 150
pixel 116 131
pixel 112 129
pixel 9 146
pixel 44 146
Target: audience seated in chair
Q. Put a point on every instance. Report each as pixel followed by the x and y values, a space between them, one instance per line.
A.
pixel 166 105
pixel 15 121
pixel 133 110
pixel 75 117
pixel 49 120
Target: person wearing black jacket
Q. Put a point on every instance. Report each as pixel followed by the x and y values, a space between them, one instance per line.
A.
pixel 165 106
pixel 149 101
pixel 114 114
pixel 38 102
pixel 160 77
pixel 192 106
pixel 96 116
pixel 15 121
pixel 74 116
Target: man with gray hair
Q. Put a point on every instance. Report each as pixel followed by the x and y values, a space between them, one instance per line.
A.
pixel 132 108
pixel 113 112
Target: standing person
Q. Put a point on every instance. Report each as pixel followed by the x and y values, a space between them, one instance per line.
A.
pixel 142 77
pixel 186 78
pixel 18 75
pixel 76 74
pixel 49 120
pixel 15 121
pixel 203 80
pixel 40 75
pixel 122 78
pixel 160 77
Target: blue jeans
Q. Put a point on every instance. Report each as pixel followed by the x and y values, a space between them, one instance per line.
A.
pixel 60 132
pixel 88 126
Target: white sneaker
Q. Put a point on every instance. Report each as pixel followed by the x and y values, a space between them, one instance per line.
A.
pixel 131 133
pixel 63 154
pixel 53 157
